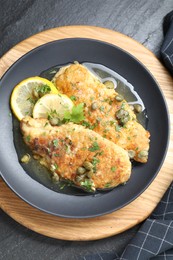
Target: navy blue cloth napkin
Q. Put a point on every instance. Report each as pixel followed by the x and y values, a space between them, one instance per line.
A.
pixel 167 46
pixel 154 239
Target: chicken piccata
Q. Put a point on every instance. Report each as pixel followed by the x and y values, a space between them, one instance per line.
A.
pixel 77 154
pixel 105 112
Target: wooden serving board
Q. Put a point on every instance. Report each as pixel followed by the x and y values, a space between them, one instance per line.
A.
pixel 139 209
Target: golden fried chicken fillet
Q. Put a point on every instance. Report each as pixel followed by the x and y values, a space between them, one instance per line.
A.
pixel 77 154
pixel 104 113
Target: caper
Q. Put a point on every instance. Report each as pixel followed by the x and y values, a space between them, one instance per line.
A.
pixel 119 98
pixel 123 113
pixel 42 162
pixel 55 177
pixel 52 167
pixel 124 120
pixel 126 113
pixel 120 113
pixel 138 108
pixel 131 154
pixel 81 170
pixel 131 107
pixel 93 187
pixel 94 106
pixel 25 158
pixel 143 153
pixel 36 156
pixel 89 174
pixel 88 165
pixel 109 84
pixel 54 121
pixel 123 116
pixel 80 178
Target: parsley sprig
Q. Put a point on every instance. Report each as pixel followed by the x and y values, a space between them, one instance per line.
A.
pixel 76 115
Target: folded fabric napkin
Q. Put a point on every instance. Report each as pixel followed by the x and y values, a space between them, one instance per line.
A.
pixel 154 239
pixel 167 46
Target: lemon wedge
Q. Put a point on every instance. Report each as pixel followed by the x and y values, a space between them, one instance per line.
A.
pixel 26 94
pixel 52 106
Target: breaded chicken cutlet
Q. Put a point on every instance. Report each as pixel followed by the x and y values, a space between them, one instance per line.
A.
pixel 104 112
pixel 77 154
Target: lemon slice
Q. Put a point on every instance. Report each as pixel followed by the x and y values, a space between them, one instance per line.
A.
pixel 26 94
pixel 52 106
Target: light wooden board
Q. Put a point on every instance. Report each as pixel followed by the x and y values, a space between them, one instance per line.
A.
pixel 139 209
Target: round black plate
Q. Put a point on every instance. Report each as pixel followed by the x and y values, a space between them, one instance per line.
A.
pixel 70 205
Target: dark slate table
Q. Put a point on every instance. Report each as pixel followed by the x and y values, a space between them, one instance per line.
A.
pixel 19 19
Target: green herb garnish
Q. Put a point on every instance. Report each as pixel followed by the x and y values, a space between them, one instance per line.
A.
pixel 117 128
pixel 86 124
pixel 102 108
pixel 43 89
pixel 107 185
pixel 95 161
pixel 113 169
pixel 31 100
pixel 73 98
pixel 53 113
pixel 87 184
pixel 56 166
pixel 28 138
pixel 93 126
pixel 46 124
pixel 94 147
pixel 63 186
pixel 55 142
pixel 56 154
pixel 76 115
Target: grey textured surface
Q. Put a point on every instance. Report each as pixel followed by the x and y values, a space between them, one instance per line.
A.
pixel 139 19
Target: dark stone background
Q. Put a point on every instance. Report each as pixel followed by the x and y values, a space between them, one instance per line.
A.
pixel 19 19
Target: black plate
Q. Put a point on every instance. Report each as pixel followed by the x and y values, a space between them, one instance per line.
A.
pixel 69 205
